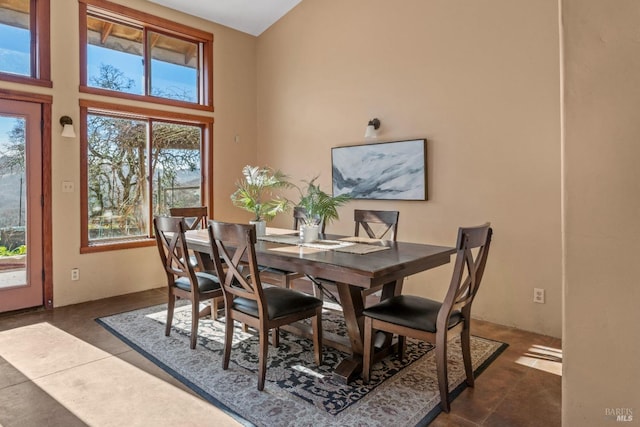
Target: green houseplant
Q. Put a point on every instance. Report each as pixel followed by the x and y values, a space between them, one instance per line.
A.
pixel 319 207
pixel 256 193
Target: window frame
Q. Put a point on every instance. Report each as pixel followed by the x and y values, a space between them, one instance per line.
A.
pixel 153 23
pixel 40 28
pixel 88 107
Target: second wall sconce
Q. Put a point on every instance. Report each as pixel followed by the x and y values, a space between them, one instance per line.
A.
pixel 372 127
pixel 67 127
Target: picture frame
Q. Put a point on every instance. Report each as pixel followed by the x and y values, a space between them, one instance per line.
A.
pixel 395 170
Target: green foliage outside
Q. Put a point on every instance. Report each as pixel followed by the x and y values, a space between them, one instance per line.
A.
pixel 20 250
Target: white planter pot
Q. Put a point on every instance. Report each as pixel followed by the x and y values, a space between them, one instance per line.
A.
pixel 261 227
pixel 309 233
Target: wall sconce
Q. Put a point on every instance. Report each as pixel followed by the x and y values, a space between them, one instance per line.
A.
pixel 67 127
pixel 372 127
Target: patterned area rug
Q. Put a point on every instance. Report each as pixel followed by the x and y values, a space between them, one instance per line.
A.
pixel 297 392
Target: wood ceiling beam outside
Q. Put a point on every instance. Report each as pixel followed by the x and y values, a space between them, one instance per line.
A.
pixel 17 5
pixel 154 39
pixel 106 31
pixel 190 53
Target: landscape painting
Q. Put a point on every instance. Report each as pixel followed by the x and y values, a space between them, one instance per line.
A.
pixel 382 171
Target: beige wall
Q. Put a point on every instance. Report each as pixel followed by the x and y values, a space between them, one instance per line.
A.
pixel 119 272
pixel 479 80
pixel 602 230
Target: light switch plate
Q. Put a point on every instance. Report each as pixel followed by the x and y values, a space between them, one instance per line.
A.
pixel 67 187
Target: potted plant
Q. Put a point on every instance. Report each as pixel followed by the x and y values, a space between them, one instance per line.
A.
pixel 256 193
pixel 319 208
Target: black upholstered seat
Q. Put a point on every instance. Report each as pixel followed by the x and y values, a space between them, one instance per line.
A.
pixel 207 281
pixel 280 302
pixel 411 311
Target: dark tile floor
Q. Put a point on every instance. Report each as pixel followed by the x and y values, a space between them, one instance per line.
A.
pixel 515 390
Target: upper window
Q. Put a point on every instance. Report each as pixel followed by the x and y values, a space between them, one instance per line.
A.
pixel 24 42
pixel 129 54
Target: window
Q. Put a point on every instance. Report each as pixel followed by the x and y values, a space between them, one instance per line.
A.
pixel 136 166
pixel 24 42
pixel 128 54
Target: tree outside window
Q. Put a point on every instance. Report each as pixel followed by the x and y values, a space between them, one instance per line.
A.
pixel 119 161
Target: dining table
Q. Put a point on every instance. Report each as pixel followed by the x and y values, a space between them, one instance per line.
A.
pixel 357 266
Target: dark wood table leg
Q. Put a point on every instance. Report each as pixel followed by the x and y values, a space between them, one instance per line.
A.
pixel 352 302
pixel 352 306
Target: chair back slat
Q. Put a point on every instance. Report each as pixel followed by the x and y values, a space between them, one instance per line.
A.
pixel 234 244
pixel 172 247
pixel 194 217
pixel 467 271
pixel 300 216
pixel 365 218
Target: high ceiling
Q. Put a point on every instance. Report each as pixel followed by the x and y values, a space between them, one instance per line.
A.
pixel 248 16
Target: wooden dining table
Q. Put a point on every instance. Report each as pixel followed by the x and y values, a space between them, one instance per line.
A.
pixel 357 267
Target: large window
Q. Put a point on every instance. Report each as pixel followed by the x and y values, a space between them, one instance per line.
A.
pixel 138 165
pixel 24 42
pixel 129 54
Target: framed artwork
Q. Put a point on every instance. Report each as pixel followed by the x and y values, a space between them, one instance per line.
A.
pixel 382 171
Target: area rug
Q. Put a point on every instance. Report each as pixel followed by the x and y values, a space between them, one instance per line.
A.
pixel 297 392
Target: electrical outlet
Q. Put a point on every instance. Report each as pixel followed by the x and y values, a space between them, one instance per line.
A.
pixel 538 295
pixel 75 274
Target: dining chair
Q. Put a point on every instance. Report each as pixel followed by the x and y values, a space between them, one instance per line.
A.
pixel 300 216
pixel 195 218
pixel 182 280
pixel 377 225
pixel 369 219
pixel 247 301
pixel 436 322
pixel 284 278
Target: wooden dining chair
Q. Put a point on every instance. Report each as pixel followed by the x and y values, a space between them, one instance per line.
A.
pixel 300 216
pixel 377 225
pixel 195 218
pixel 433 321
pixel 284 278
pixel 247 301
pixel 182 280
pixel 386 221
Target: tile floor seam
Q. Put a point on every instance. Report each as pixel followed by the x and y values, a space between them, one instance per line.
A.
pixel 33 380
pixel 467 420
pixel 504 397
pixel 8 386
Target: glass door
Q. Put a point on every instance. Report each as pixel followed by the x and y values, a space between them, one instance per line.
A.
pixel 21 268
